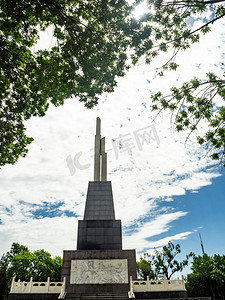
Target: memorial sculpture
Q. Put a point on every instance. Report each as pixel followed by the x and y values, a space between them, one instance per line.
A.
pixel 99 264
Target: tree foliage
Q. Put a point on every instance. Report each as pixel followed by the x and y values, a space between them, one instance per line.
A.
pixel 96 41
pixel 145 268
pixel 207 277
pixel 23 264
pixel 194 101
pixel 162 263
pixel 37 264
pixel 3 278
pixel 90 52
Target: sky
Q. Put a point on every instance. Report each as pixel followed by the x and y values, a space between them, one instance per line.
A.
pixel 164 189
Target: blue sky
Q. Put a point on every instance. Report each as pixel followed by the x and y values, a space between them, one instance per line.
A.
pixel 164 189
pixel 206 209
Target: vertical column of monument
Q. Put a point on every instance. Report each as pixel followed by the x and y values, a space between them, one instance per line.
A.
pixel 97 151
pixel 100 156
pixel 103 161
pixel 99 229
pixel 107 268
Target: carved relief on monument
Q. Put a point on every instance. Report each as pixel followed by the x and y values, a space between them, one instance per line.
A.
pixel 99 271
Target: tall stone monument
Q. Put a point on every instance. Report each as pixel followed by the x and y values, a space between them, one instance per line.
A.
pixel 99 268
pixel 99 264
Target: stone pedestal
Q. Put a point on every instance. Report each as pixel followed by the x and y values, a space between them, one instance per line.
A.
pixel 99 264
pixel 99 230
pixel 94 271
pixel 99 235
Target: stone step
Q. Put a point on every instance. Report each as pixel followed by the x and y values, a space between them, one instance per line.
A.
pixel 97 296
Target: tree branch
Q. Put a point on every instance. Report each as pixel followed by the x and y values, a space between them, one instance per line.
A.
pixel 192 32
pixel 194 2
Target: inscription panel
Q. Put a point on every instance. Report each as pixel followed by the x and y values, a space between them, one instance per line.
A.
pixel 98 271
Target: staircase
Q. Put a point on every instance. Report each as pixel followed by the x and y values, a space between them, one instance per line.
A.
pixel 97 296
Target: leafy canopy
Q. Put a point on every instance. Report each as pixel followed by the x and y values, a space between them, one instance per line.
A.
pixel 21 263
pixel 207 277
pixel 162 264
pixel 194 101
pixel 96 41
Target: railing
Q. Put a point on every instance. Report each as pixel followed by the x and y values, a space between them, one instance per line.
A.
pixel 21 287
pixel 155 285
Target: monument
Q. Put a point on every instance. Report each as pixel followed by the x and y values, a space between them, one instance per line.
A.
pixel 99 264
pixel 99 268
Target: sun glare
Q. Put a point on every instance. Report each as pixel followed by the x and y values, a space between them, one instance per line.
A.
pixel 140 10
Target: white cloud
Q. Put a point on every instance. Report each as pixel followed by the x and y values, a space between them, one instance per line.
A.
pixel 52 234
pixel 141 239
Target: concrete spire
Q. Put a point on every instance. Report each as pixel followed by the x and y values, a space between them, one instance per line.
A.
pixel 97 150
pixel 100 156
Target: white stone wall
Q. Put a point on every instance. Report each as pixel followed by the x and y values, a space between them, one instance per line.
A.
pixel 157 285
pixel 21 287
